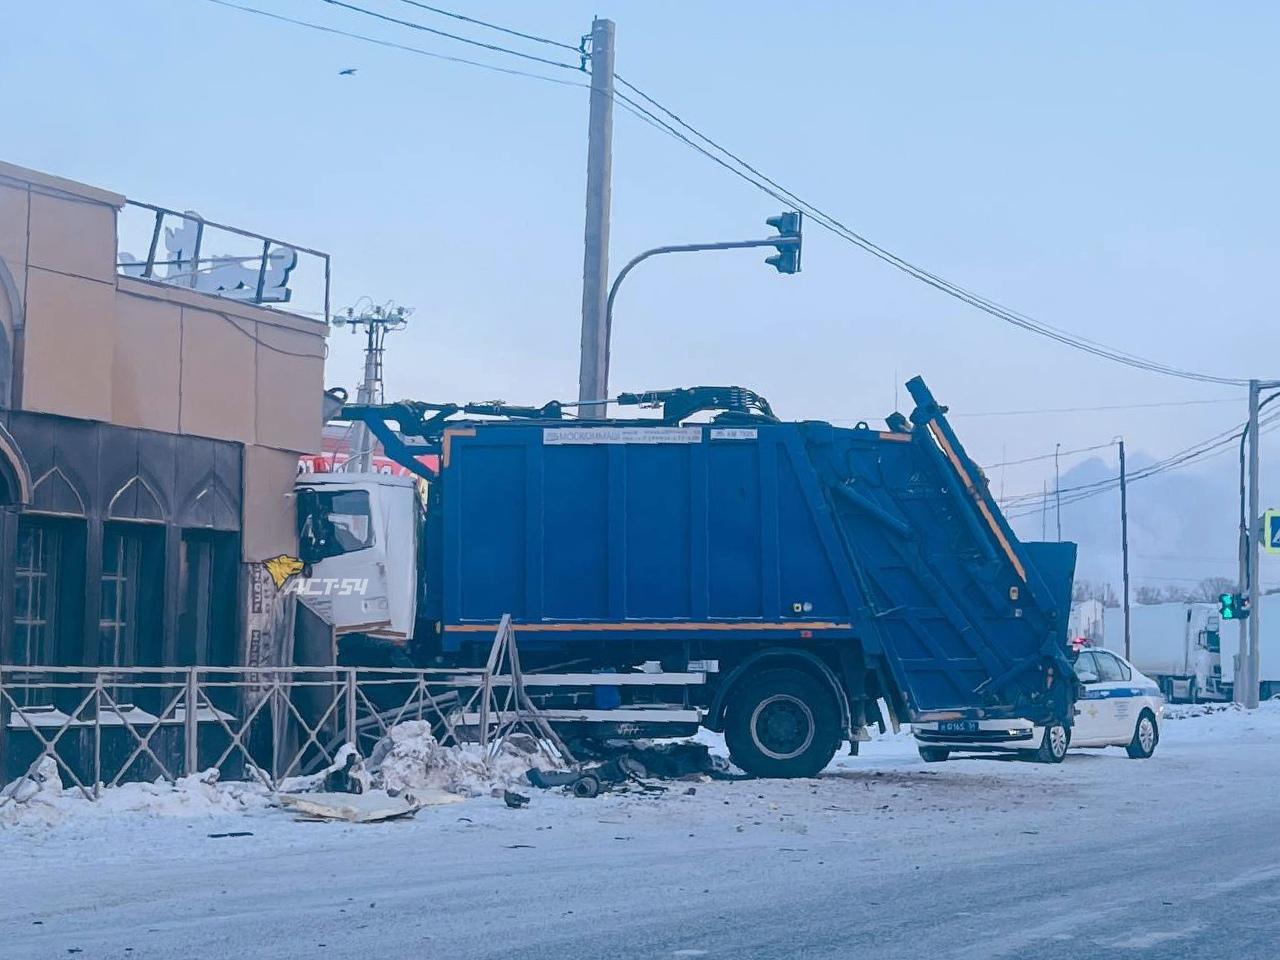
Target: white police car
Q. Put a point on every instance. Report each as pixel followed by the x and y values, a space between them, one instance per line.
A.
pixel 1118 707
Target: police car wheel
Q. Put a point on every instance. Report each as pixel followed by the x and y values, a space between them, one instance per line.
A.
pixel 782 723
pixel 1146 734
pixel 1053 745
pixel 934 754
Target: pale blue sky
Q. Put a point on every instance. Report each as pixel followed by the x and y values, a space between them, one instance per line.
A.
pixel 1108 168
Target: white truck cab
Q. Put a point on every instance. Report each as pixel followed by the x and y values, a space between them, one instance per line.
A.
pixel 358 533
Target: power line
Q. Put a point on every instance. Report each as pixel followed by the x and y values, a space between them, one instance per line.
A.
pixel 450 36
pixel 1052 410
pixel 492 26
pixel 1194 454
pixel 825 220
pixel 1195 451
pixel 1049 456
pixel 391 44
pixel 764 183
pixel 1088 490
pixel 1104 407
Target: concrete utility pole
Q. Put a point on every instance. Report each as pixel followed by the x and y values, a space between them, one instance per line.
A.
pixel 1124 544
pixel 377 323
pixel 593 370
pixel 1249 658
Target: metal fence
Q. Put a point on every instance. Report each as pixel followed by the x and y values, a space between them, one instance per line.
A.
pixel 105 726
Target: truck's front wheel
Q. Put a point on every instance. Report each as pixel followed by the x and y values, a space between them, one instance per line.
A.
pixel 782 723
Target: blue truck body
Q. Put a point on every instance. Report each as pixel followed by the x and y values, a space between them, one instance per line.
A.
pixel 877 554
pixel 768 532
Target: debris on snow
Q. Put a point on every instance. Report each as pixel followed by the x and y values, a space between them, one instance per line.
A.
pixel 514 800
pixel 371 807
pixel 347 773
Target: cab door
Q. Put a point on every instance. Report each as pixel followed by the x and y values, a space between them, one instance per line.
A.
pixel 1096 717
pixel 340 538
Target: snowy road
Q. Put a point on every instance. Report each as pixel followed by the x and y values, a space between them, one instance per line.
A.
pixel 881 857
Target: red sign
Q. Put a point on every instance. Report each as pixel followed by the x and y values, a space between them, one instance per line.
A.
pixel 333 462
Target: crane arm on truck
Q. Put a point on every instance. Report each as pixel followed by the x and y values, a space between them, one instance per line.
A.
pixel 684 402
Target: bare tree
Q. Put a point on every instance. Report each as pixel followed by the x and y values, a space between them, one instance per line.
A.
pixel 1210 588
pixel 1147 594
pixel 1095 590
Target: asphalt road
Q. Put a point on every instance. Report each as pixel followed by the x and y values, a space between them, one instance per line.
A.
pixel 1174 857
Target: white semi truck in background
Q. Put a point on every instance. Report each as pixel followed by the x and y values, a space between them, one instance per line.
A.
pixel 1189 651
pixel 1179 645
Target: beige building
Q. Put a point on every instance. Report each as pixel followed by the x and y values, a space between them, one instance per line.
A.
pixel 152 412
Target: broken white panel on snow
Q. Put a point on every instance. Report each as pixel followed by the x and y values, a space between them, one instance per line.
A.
pixel 360 807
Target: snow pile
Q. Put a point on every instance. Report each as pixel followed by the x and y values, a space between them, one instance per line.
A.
pixel 1221 723
pixel 41 797
pixel 411 759
pixel 198 795
pixel 34 796
pixel 1268 711
pixel 1184 711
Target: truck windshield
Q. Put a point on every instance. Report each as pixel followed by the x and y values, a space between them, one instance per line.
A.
pixel 331 523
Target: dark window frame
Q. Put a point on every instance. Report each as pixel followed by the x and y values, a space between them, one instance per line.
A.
pixel 131 585
pixel 208 597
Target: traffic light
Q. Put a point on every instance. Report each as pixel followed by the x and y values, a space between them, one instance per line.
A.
pixel 787 259
pixel 1233 606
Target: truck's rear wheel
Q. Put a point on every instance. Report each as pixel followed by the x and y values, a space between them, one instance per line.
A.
pixel 782 723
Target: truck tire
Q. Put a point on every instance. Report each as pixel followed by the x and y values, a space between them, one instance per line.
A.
pixel 934 754
pixel 782 723
pixel 1146 734
pixel 1053 745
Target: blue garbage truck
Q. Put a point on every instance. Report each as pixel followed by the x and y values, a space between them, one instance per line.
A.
pixel 819 579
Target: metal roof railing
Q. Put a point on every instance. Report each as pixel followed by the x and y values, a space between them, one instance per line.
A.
pixel 248 267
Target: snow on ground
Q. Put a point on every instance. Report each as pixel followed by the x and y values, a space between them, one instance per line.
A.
pixel 972 858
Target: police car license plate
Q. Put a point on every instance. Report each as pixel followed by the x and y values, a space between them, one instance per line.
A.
pixel 958 726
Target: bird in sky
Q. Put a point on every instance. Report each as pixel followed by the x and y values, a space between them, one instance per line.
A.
pixel 349 72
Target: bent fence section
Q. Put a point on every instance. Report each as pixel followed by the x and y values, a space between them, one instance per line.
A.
pixel 108 725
